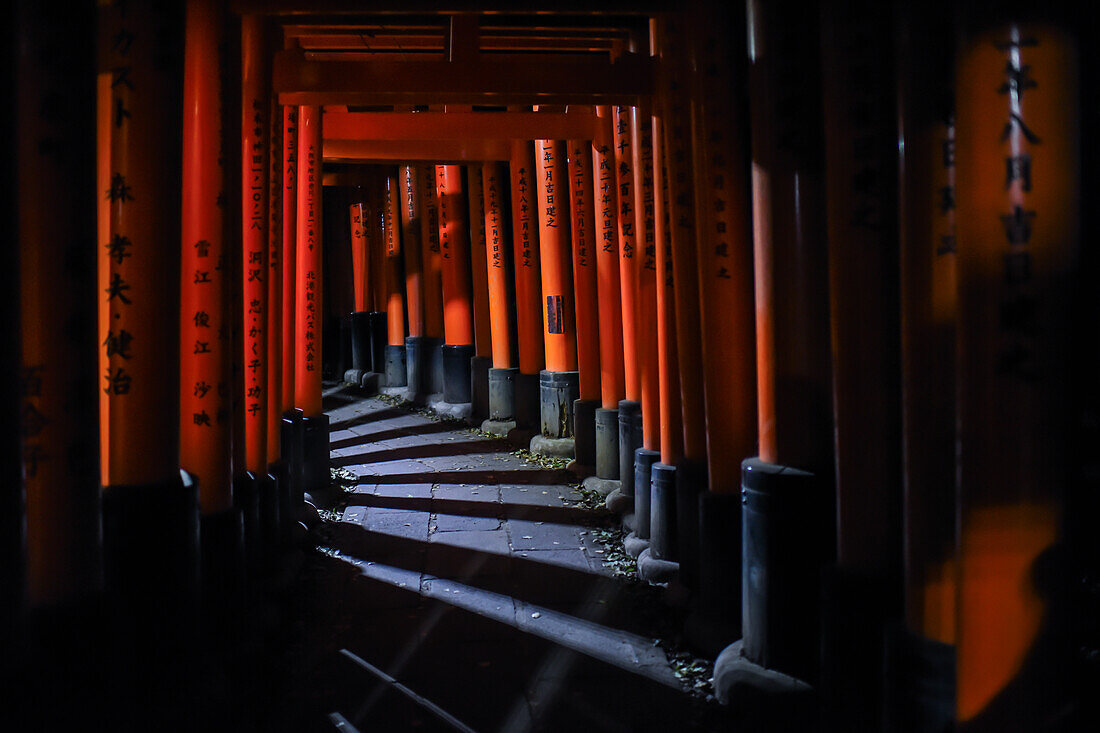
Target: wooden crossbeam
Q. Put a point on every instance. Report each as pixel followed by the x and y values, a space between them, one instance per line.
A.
pixel 379 126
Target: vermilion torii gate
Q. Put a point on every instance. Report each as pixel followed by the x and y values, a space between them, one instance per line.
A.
pixel 779 342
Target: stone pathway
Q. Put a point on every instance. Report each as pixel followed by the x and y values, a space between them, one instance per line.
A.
pixel 473 577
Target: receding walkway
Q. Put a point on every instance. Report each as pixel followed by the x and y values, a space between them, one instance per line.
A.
pixel 473 578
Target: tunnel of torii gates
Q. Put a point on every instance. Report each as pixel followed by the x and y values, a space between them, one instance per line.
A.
pixel 825 377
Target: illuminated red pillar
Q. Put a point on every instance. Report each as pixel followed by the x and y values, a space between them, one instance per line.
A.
pixel 585 290
pixel 104 126
pixel 290 245
pixel 525 242
pixel 498 254
pixel 204 372
pixel 360 255
pixel 419 346
pixel 609 297
pixel 56 327
pixel 454 251
pixel 142 340
pixel 483 339
pixel 275 262
pixel 396 370
pixel 432 262
pixel 254 214
pixel 558 386
pixel 1018 173
pixel 307 332
pixel 630 412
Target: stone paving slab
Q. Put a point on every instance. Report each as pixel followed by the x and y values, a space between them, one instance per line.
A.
pixel 466 492
pixel 397 523
pixel 406 491
pixel 567 558
pixel 538 494
pixel 457 523
pixel 528 535
pixel 494 541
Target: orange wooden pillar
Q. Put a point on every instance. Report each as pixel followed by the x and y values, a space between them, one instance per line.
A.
pixel 362 362
pixel 418 347
pixel 483 337
pixel 610 315
pixel 498 260
pixel 142 341
pixel 792 347
pixel 558 382
pixel 928 295
pixel 689 476
pixel 630 409
pixel 360 254
pixel 274 511
pixel 104 126
pixel 432 259
pixel 663 472
pixel 308 301
pixel 454 252
pixel 526 259
pixel 376 255
pixel 725 280
pixel 395 368
pixel 53 291
pixel 205 432
pixel 254 271
pixel 290 249
pixel 646 454
pixel 585 289
pixel 1018 171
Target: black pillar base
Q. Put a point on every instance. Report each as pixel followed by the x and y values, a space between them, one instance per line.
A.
pixel 359 328
pixel 223 554
pixel 717 618
pixel 664 538
pixel 920 683
pixel 584 431
pixel 418 362
pixel 269 513
pixel 435 361
pixel 315 450
pixel 629 413
pixel 246 500
pixel 397 374
pixel 502 394
pixel 527 406
pixel 151 555
pixel 784 523
pixel 644 459
pixel 379 337
pixel 343 355
pixel 456 372
pixel 557 393
pixel 479 388
pixel 283 513
pixel 292 448
pixel 607 444
pixel 691 481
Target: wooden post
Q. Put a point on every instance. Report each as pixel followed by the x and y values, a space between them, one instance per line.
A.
pixel 307 333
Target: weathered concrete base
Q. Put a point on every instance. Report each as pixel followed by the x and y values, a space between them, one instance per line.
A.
pixel 460 410
pixel 498 427
pixel 620 503
pixel 371 382
pixel 353 376
pixel 395 391
pixel 559 447
pixel 602 486
pixel 655 570
pixel 635 545
pixel 737 680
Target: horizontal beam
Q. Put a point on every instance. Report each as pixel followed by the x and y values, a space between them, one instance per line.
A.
pixel 575 125
pixel 435 151
pixel 298 80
